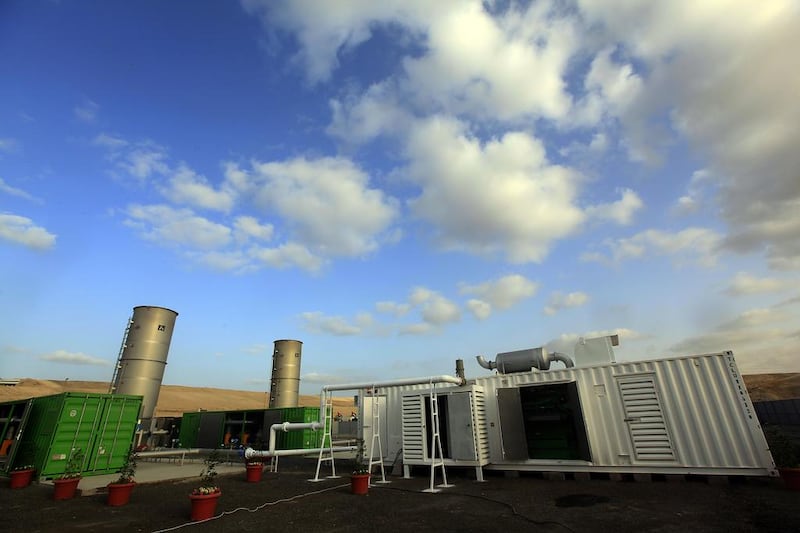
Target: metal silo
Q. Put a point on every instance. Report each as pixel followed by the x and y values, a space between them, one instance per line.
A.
pixel 285 384
pixel 143 356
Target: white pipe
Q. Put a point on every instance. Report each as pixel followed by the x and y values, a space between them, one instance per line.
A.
pixel 395 383
pixel 250 453
pixel 286 426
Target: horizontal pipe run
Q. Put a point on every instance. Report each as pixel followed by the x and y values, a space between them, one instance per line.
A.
pixel 394 383
pixel 250 453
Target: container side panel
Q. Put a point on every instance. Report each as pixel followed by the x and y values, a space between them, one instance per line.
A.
pixel 114 434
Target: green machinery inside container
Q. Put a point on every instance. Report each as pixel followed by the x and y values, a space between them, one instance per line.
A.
pixel 231 429
pixel 100 426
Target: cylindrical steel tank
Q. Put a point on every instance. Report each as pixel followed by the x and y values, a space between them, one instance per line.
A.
pixel 285 383
pixel 144 355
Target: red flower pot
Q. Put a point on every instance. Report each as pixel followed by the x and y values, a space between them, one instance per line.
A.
pixel 119 493
pixel 204 505
pixel 254 473
pixel 21 478
pixel 791 477
pixel 64 489
pixel 359 484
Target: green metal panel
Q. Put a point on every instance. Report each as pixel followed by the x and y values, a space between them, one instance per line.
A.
pixel 304 439
pixel 98 425
pixel 114 433
pixel 301 414
pixel 190 424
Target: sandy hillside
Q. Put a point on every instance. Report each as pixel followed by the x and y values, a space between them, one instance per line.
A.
pixel 176 399
pixel 173 400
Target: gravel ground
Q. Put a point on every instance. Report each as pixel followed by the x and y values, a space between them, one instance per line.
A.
pixel 287 501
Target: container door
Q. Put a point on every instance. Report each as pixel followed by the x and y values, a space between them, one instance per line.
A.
pixel 210 433
pixel 190 425
pixel 73 431
pixel 512 424
pixel 460 431
pixel 414 446
pixel 645 419
pixel 114 433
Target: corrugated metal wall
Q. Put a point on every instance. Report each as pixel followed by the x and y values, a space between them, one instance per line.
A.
pixel 684 415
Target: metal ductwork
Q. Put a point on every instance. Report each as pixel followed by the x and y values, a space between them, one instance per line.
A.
pixel 143 356
pixel 524 360
pixel 285 382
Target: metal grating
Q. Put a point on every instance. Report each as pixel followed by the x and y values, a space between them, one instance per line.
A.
pixel 413 429
pixel 645 420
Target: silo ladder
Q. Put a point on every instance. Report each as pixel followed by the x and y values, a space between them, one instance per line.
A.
pixel 112 386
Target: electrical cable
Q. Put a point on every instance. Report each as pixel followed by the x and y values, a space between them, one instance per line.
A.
pixel 253 510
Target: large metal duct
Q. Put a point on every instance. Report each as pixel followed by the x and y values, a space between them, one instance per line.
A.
pixel 143 357
pixel 285 384
pixel 524 360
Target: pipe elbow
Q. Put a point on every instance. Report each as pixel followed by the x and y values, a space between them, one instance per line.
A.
pixel 564 358
pixel 489 365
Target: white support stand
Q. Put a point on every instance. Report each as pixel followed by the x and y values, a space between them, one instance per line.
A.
pixel 326 438
pixel 436 445
pixel 376 436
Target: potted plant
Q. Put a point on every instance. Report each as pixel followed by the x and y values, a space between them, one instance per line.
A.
pixel 119 491
pixel 66 484
pixel 359 478
pixel 253 469
pixel 786 454
pixel 204 498
pixel 21 476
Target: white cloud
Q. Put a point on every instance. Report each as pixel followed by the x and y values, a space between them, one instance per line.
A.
pixel 13 191
pixel 87 111
pixel 318 322
pixel 290 254
pixel 761 338
pixel 501 196
pixel 419 328
pixel 74 358
pixel 435 309
pixel 144 161
pixel 480 309
pixel 392 308
pixel 690 245
pixel 326 203
pixel 744 283
pixel 501 293
pixel 22 230
pixel 621 211
pixel 325 379
pixel 166 225
pixel 246 227
pixel 187 187
pixel 722 72
pixel 559 301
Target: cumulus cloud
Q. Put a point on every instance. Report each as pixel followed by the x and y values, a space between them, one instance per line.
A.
pixel 247 227
pixel 73 358
pixel 436 310
pixel 559 301
pixel 327 203
pixel 392 308
pixel 187 187
pixel 744 283
pixel 620 211
pixel 687 246
pixel 502 293
pixel 167 225
pixel 499 197
pixel 290 254
pixel 22 230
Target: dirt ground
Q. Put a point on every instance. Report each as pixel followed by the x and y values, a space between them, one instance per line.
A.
pixel 287 501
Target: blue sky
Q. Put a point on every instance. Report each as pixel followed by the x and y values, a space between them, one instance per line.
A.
pixel 397 184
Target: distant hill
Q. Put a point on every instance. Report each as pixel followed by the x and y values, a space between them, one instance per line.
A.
pixel 175 400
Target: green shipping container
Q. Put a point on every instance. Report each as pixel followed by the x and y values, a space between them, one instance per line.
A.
pixel 190 424
pixel 101 426
pixel 303 439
